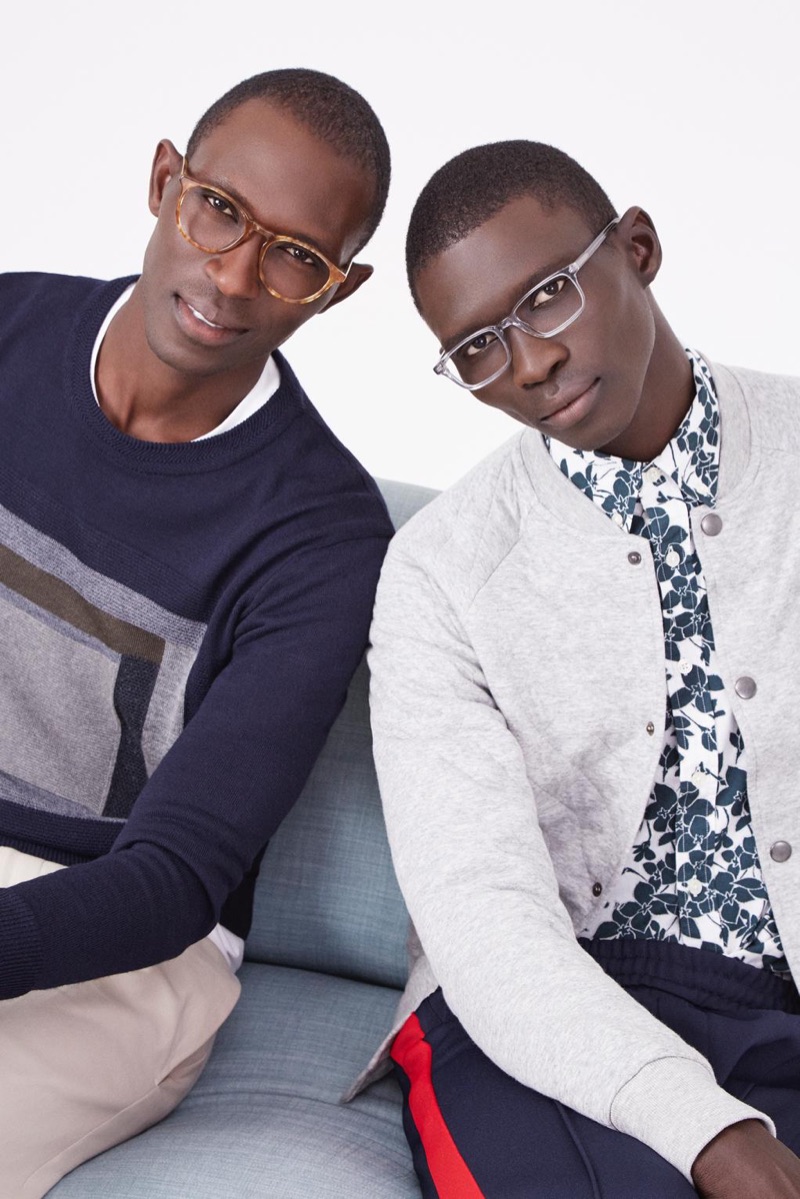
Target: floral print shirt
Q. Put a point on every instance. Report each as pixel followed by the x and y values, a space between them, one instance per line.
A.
pixel 693 874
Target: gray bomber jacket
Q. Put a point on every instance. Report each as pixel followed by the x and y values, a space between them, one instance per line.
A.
pixel 518 703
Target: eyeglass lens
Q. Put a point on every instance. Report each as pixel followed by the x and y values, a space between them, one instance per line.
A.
pixel 544 310
pixel 213 223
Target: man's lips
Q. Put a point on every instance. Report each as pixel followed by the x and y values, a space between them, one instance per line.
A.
pixel 571 407
pixel 204 319
pixel 202 322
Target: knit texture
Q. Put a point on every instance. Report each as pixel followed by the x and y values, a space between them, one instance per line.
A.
pixel 178 627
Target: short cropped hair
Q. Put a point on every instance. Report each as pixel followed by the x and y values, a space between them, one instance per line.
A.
pixel 478 183
pixel 331 109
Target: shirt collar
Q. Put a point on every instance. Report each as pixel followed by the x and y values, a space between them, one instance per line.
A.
pixel 690 460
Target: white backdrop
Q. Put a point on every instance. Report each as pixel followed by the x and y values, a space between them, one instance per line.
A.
pixel 687 107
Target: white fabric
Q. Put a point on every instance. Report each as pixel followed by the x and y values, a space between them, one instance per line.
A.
pixel 268 382
pixel 230 946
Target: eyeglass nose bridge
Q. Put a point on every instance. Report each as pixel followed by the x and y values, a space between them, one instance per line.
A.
pixel 269 239
pixel 512 321
pixel 253 229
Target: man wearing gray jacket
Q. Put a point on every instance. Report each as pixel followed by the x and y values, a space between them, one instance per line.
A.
pixel 583 706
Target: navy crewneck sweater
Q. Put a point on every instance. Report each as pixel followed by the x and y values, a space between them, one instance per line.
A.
pixel 178 627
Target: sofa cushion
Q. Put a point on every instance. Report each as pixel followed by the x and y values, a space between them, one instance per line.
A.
pixel 264 1121
pixel 326 897
pixel 404 499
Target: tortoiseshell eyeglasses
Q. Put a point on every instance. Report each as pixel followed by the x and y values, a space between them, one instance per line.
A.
pixel 214 222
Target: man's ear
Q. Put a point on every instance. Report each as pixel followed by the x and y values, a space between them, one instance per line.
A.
pixel 642 243
pixel 166 165
pixel 359 273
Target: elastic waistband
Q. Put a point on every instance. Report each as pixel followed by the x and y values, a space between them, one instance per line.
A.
pixel 700 976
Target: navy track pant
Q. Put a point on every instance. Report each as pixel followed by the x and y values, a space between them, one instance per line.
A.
pixel 477 1133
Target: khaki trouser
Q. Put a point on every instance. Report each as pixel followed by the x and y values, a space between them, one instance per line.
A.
pixel 86 1066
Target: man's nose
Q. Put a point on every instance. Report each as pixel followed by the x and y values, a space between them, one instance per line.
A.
pixel 534 359
pixel 235 273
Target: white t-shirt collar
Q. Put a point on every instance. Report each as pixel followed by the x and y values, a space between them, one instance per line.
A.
pixel 266 386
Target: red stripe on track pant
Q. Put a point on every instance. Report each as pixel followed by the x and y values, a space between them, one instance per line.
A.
pixel 448 1169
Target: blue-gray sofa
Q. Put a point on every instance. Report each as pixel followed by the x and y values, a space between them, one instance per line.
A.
pixel 324 963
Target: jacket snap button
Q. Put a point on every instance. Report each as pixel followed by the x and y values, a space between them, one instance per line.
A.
pixel 745 687
pixel 634 557
pixel 651 728
pixel 781 851
pixel 597 889
pixel 711 524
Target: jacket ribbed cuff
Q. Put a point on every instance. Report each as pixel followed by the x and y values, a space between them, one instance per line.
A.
pixel 675 1106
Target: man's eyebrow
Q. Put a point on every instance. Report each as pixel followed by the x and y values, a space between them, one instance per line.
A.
pixel 224 185
pixel 540 276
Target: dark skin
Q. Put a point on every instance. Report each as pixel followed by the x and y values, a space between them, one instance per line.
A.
pixel 617 380
pixel 746 1162
pixel 623 345
pixel 164 373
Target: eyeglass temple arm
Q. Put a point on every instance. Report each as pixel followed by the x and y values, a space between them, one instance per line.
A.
pixel 595 245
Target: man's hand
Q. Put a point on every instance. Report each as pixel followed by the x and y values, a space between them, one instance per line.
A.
pixel 746 1162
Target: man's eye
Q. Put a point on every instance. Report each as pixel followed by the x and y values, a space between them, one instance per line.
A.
pixel 299 254
pixel 478 345
pixel 543 295
pixel 220 206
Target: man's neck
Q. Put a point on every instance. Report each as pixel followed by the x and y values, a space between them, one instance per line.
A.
pixel 149 400
pixel 667 394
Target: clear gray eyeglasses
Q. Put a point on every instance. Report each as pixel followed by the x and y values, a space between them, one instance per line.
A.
pixel 545 310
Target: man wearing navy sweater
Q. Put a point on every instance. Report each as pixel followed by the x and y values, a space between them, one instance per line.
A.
pixel 187 565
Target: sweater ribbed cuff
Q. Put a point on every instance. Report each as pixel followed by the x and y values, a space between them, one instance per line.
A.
pixel 20 946
pixel 675 1106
